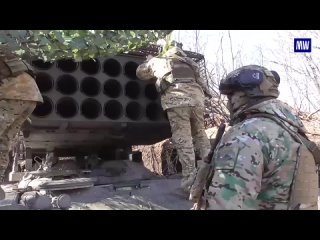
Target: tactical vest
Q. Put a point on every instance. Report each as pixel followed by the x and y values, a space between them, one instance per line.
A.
pixel 178 72
pixel 304 187
pixel 13 67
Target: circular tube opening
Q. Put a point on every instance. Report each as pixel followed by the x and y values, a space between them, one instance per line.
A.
pixel 66 84
pixel 154 111
pixel 130 70
pixel 91 108
pixel 67 65
pixel 44 82
pixel 112 67
pixel 40 64
pixel 43 109
pixel 113 110
pixel 67 107
pixel 132 90
pixel 90 86
pixel 112 88
pixel 151 92
pixel 133 111
pixel 90 66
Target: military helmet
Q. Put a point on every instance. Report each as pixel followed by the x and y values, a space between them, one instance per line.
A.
pixel 254 80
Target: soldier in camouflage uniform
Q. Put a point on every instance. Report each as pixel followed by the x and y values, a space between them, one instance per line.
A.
pixel 19 95
pixel 259 162
pixel 182 97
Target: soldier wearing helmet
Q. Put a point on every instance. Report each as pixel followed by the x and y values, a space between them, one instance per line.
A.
pixel 182 93
pixel 265 160
pixel 19 95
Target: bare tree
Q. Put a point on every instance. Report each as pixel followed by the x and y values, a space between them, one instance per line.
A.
pixel 196 41
pixel 300 73
pixel 216 110
pixel 232 56
pixel 302 70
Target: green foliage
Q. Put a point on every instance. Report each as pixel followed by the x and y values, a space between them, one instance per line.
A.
pixel 167 45
pixel 51 45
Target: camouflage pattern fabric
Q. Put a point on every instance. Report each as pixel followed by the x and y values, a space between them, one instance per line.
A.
pixel 22 87
pixel 255 161
pixel 183 95
pixel 187 124
pixel 13 113
pixel 178 94
pixel 184 103
pixel 178 54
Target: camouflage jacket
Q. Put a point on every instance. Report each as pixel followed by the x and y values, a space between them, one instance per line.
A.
pixel 16 84
pixel 178 94
pixel 21 87
pixel 255 162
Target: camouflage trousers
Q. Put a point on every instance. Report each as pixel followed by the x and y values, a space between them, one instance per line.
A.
pixel 13 113
pixel 187 126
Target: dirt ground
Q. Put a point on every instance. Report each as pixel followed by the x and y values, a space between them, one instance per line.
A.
pixel 156 194
pixel 127 186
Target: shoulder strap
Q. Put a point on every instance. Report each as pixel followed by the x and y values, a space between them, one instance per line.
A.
pixel 298 136
pixel 17 66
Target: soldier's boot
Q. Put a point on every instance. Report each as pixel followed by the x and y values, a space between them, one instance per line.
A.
pixel 187 181
pixel 186 185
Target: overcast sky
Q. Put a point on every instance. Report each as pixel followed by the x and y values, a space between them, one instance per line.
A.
pixel 251 43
